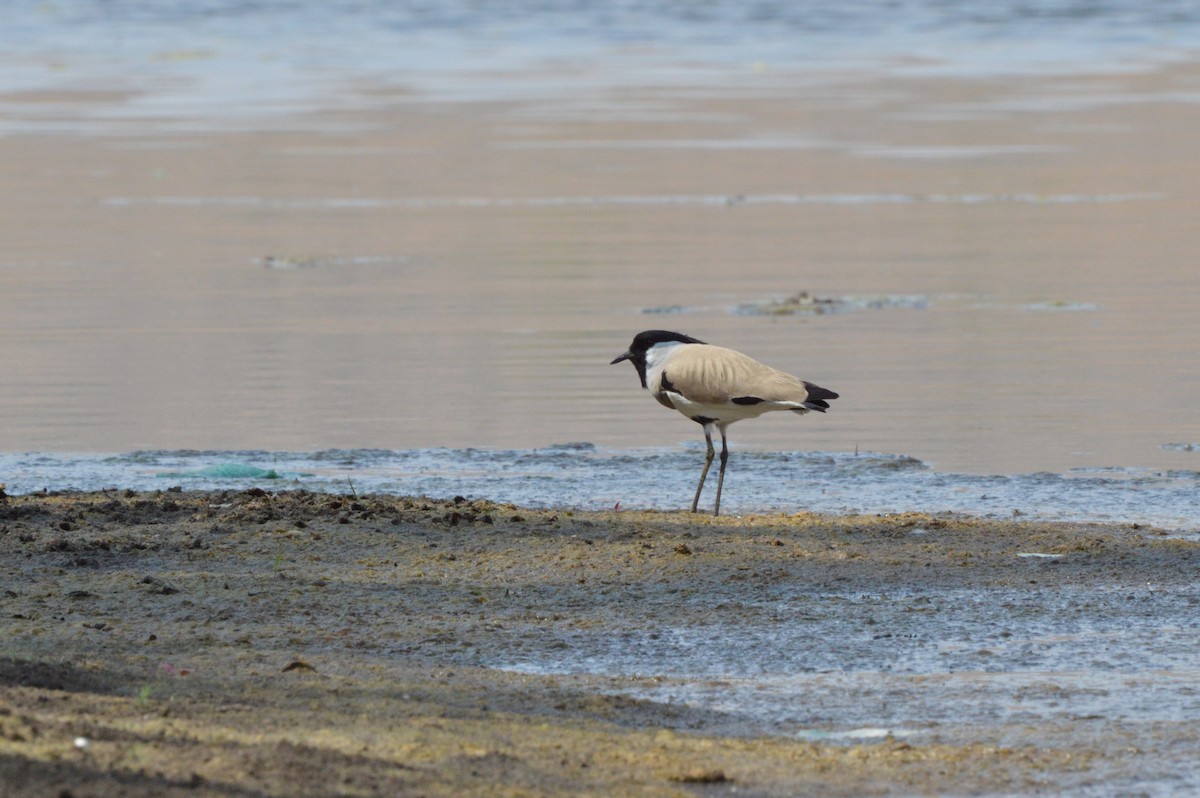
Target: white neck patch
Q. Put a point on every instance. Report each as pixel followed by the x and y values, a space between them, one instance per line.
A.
pixel 656 360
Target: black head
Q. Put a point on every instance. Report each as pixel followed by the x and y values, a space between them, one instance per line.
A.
pixel 636 354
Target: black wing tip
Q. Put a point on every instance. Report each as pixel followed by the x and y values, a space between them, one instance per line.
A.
pixel 819 395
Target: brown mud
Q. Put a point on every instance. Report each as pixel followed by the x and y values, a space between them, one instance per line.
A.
pixel 292 644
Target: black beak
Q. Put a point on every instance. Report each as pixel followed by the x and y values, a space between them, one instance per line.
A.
pixel 624 356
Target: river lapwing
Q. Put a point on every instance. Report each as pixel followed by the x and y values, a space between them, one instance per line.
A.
pixel 715 387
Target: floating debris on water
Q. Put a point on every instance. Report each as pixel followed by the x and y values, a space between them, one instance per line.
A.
pixel 224 471
pixel 288 263
pixel 296 262
pixel 914 301
pixel 799 302
pixel 1061 305
pixel 806 303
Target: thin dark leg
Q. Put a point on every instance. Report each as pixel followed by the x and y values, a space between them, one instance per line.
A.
pixel 721 476
pixel 708 458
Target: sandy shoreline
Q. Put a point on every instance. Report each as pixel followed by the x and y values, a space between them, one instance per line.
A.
pixel 248 643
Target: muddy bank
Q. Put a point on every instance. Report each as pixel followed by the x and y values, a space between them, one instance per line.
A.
pixel 249 643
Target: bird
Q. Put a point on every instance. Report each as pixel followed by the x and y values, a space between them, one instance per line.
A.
pixel 715 387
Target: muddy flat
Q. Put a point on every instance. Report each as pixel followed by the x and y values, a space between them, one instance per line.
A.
pixel 256 643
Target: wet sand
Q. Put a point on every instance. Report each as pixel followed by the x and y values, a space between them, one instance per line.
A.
pixel 255 643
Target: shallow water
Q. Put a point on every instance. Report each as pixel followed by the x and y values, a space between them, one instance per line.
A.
pixel 905 661
pixel 1041 661
pixel 209 62
pixel 274 245
pixel 588 477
